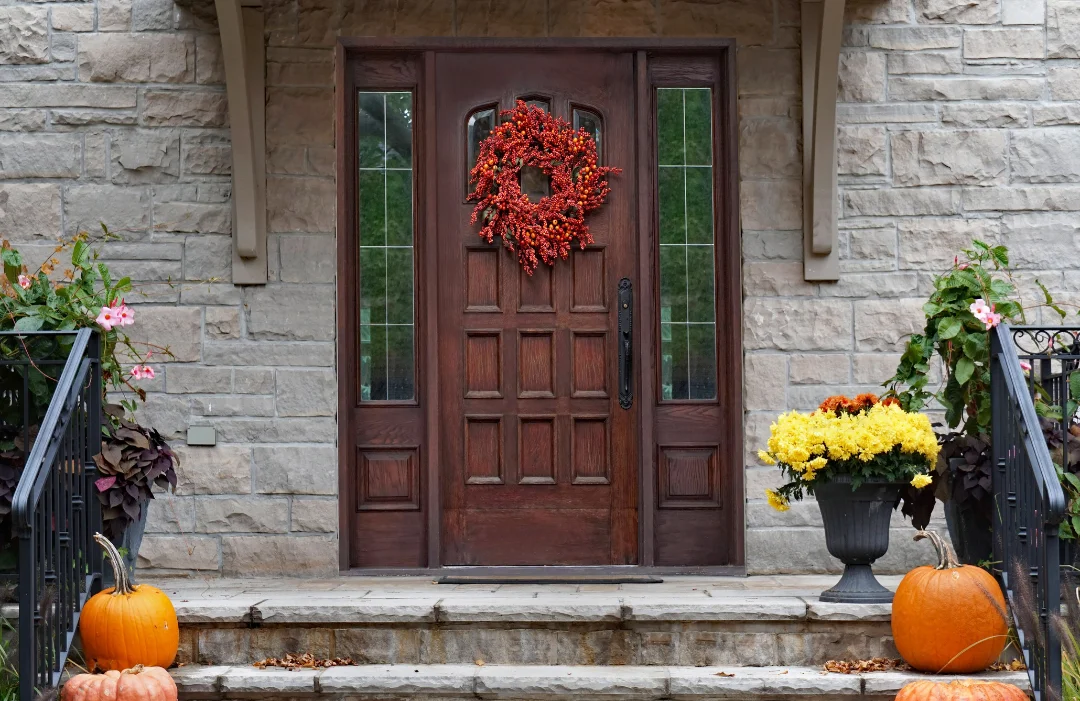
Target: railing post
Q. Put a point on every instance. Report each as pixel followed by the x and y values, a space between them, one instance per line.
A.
pixel 998 440
pixel 28 642
pixel 95 557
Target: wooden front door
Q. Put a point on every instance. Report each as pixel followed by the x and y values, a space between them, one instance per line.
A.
pixel 539 460
pixel 486 416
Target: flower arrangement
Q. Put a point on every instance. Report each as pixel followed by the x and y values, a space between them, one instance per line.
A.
pixel 84 295
pixel 864 438
pixel 544 230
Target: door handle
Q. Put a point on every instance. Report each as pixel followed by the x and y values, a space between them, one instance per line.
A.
pixel 626 342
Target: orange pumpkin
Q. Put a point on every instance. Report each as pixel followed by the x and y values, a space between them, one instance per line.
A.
pixel 136 684
pixel 960 690
pixel 950 618
pixel 128 625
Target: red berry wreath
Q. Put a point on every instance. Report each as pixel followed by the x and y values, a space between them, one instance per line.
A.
pixel 543 230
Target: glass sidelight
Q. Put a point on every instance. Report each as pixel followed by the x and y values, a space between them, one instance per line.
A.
pixel 684 124
pixel 387 304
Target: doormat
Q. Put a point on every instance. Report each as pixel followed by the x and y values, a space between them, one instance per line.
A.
pixel 550 579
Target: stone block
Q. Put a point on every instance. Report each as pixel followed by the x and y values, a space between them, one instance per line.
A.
pixel 874 12
pixel 242 515
pixel 1045 155
pixel 378 646
pixel 99 96
pixel 871 243
pixel 278 642
pixel 1055 114
pixel 956 157
pixel 787 550
pixel 749 23
pixel 193 379
pixel 776 278
pixel 206 258
pixel 182 552
pixel 1046 198
pixel 306 392
pixel 233 406
pixel 1040 241
pixel 171 514
pixel 137 58
pixel 73 18
pixel 1004 43
pixel 980 88
pixel 184 108
pixel 300 205
pixel 24 34
pixel 1023 12
pixel 22 120
pixel 862 77
pixel 874 368
pixel 861 150
pixel 222 323
pixel 772 245
pixel 410 681
pixel 986 115
pixel 177 328
pixel 884 325
pixel 765 71
pixel 307 258
pixel 206 154
pixel 770 148
pixel 901 202
pixel 931 244
pixel 123 210
pixel 301 67
pixel 885 114
pixel 40 155
pixel 819 369
pixel 771 204
pixel 29 212
pixel 209 65
pixel 303 116
pixel 271 353
pixel 875 284
pixel 290 313
pixel 279 556
pixel 796 324
pixel 765 381
pixel 153 15
pixel 269 682
pixel 252 380
pixel 222 469
pixel 114 15
pixel 1062 29
pixel 198 218
pixel 314 515
pixel 145 156
pixel 925 62
pixel 957 11
pixel 603 18
pixel 915 38
pixel 276 430
pixel 309 469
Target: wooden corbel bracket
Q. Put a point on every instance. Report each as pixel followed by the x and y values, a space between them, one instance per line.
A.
pixel 241 25
pixel 822 31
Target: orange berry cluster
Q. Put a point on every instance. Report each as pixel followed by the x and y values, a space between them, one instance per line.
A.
pixel 543 230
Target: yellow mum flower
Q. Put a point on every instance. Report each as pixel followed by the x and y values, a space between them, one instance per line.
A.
pixel 763 456
pixel 776 501
pixel 920 481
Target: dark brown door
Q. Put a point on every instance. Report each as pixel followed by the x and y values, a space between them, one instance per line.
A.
pixel 539 462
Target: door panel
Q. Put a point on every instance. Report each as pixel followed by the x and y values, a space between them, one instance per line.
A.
pixel 539 462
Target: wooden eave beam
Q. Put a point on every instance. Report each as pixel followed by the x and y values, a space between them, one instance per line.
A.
pixel 822 31
pixel 240 23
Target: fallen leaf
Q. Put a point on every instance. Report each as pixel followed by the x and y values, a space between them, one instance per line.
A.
pixel 724 674
pixel 875 664
pixel 1014 666
pixel 303 661
pixel 479 663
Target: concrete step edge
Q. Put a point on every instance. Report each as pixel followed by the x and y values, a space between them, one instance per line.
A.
pixel 547 682
pixel 288 610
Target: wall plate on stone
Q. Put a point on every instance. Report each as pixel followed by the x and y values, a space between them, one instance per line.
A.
pixel 201 435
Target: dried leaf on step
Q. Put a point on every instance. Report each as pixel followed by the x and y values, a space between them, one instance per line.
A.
pixel 304 661
pixel 479 662
pixel 724 674
pixel 1014 666
pixel 876 664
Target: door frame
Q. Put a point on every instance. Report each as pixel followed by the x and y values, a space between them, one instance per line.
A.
pixel 728 286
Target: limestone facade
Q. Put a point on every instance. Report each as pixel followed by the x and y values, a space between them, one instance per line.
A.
pixel 958 119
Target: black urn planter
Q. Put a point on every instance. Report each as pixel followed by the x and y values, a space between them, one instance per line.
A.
pixel 857 534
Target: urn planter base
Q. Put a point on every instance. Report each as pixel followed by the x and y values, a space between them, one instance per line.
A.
pixel 857 533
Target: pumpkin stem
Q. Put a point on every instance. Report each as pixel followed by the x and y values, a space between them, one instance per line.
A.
pixel 946 557
pixel 120 573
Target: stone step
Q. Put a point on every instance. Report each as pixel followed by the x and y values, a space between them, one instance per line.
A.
pixel 551 683
pixel 691 629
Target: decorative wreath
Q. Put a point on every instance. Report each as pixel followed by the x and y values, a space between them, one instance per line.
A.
pixel 543 230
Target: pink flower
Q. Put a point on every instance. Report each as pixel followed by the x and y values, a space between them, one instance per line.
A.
pixel 142 372
pixel 24 282
pixel 979 308
pixel 991 320
pixel 1025 366
pixel 125 314
pixel 108 318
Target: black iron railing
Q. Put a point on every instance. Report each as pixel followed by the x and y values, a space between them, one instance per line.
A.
pixel 50 399
pixel 1029 502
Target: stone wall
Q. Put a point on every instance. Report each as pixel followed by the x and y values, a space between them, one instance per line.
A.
pixel 955 125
